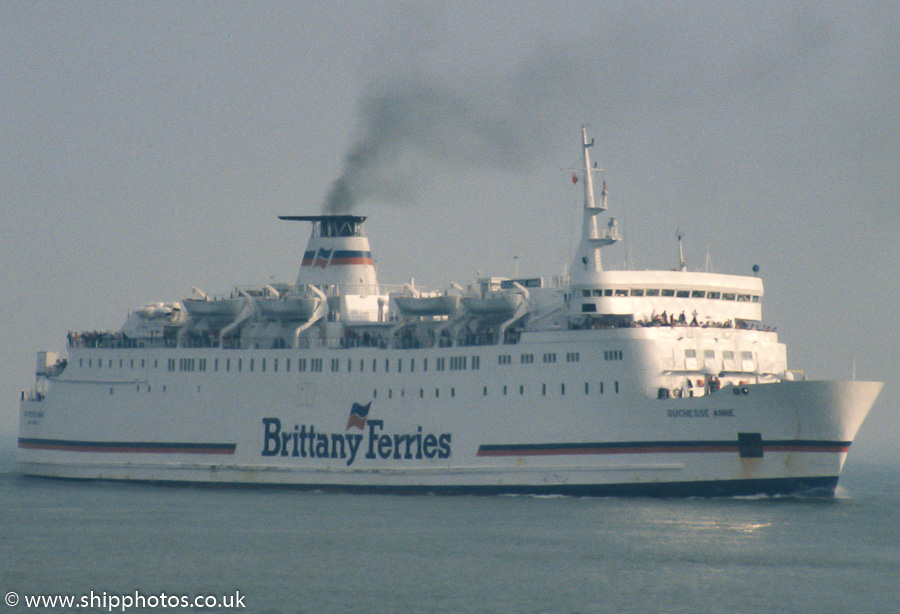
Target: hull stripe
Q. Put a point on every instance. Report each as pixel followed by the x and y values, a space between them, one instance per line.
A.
pixel 656 447
pixel 140 447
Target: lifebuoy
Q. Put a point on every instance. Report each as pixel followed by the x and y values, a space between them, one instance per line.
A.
pixel 676 392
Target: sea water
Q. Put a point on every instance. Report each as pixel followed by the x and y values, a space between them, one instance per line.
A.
pixel 280 551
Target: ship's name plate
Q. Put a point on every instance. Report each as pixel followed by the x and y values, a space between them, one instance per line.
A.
pixel 701 413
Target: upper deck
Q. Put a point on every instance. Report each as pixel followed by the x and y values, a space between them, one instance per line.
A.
pixel 644 295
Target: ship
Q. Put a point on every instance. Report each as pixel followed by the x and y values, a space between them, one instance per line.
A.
pixel 596 382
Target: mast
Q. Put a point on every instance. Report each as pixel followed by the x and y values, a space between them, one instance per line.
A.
pixel 587 259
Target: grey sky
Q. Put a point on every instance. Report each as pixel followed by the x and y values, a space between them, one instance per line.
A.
pixel 147 148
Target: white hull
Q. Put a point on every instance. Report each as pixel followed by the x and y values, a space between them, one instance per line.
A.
pixel 556 436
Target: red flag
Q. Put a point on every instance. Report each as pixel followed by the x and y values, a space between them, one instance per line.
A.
pixel 574 178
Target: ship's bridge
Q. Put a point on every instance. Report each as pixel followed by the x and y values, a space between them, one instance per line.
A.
pixel 645 295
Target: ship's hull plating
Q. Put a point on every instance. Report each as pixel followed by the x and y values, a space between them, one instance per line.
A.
pixel 390 425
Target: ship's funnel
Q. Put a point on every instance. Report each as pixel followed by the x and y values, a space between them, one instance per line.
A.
pixel 337 258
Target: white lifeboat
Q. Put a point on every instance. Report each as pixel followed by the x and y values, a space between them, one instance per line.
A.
pixel 423 305
pixel 291 307
pixel 494 304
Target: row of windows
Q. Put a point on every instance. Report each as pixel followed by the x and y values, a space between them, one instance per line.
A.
pixel 600 388
pixel 457 363
pixel 99 361
pixel 505 390
pixel 711 294
pixel 726 354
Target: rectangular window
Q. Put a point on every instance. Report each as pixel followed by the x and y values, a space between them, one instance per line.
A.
pixel 668 292
pixel 682 293
pixel 715 295
pixel 698 294
pixel 652 292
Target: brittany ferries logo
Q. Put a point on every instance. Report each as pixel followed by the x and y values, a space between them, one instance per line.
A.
pixel 322 258
pixel 303 441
